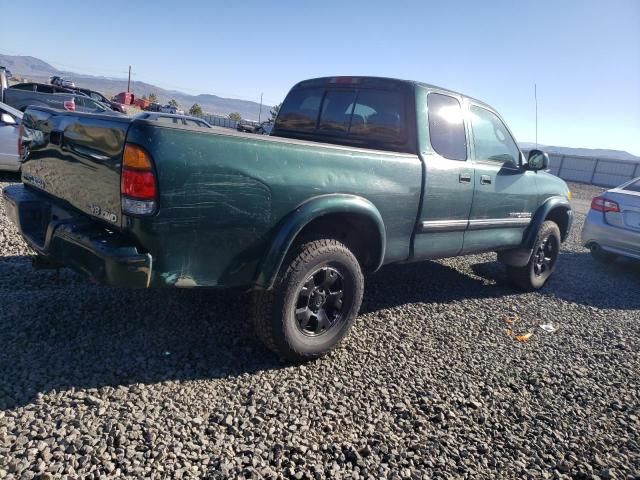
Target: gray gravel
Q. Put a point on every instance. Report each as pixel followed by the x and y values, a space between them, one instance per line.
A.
pixel 98 382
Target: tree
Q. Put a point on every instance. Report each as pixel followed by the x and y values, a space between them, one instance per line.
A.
pixel 144 97
pixel 173 103
pixel 235 116
pixel 153 98
pixel 195 109
pixel 274 111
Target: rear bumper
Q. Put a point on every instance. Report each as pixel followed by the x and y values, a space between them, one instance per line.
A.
pixel 611 239
pixel 67 238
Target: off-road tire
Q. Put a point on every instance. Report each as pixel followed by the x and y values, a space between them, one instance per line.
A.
pixel 273 310
pixel 527 278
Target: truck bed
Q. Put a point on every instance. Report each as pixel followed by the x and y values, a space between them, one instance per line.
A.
pixel 222 194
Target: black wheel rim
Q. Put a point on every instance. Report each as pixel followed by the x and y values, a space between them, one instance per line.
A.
pixel 320 305
pixel 544 258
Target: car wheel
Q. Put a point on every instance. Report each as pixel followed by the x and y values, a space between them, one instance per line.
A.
pixel 601 255
pixel 543 260
pixel 313 303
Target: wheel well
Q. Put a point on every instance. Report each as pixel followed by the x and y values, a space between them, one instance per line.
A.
pixel 359 233
pixel 561 218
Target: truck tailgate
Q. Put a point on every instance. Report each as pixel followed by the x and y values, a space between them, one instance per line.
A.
pixel 76 158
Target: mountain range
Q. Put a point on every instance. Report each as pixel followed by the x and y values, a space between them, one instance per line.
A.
pixel 34 69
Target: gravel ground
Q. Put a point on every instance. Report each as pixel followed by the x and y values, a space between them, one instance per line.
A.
pixel 98 382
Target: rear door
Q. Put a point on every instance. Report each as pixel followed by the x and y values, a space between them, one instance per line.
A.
pixel 448 178
pixel 505 195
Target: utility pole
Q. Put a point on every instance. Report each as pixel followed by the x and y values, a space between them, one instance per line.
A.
pixel 129 81
pixel 535 96
pixel 260 112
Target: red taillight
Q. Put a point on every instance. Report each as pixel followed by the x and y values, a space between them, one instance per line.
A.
pixel 601 204
pixel 138 183
pixel 70 105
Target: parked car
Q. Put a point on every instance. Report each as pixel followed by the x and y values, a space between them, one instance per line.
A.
pixel 61 82
pixel 10 119
pixel 23 95
pixel 97 96
pixel 263 128
pixel 173 119
pixel 612 226
pixel 171 109
pixel 153 107
pixel 244 126
pixel 358 172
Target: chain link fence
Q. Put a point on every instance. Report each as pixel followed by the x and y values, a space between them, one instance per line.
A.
pixel 603 172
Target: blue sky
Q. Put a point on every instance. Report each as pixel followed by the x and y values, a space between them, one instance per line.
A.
pixel 583 55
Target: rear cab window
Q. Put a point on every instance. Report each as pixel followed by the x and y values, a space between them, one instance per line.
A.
pixel 369 113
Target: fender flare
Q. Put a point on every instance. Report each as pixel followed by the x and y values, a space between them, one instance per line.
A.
pixel 293 223
pixel 519 257
pixel 543 211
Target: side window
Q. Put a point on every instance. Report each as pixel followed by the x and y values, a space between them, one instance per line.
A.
pixel 446 126
pixel 300 110
pixel 491 139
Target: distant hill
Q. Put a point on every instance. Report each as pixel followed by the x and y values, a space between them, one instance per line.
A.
pixel 583 152
pixel 37 70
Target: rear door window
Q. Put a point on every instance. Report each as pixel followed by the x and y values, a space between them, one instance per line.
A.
pixel 446 126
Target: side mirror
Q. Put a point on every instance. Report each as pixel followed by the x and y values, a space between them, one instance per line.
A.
pixel 8 119
pixel 538 160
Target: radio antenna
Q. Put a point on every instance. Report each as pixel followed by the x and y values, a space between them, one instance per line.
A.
pixel 535 96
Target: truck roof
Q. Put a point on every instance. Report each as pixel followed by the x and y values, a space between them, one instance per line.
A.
pixel 378 81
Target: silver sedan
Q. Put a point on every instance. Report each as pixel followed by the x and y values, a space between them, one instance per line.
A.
pixel 612 226
pixel 10 119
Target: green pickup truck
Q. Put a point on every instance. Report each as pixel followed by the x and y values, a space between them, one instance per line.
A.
pixel 358 172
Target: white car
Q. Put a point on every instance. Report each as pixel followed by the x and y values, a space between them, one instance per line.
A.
pixel 10 119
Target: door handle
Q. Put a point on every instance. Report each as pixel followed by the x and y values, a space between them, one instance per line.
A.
pixel 465 178
pixel 485 180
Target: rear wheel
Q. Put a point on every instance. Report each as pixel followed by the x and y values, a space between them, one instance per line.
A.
pixel 601 255
pixel 313 303
pixel 543 260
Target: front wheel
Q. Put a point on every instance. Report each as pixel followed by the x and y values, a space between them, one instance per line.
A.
pixel 543 260
pixel 313 303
